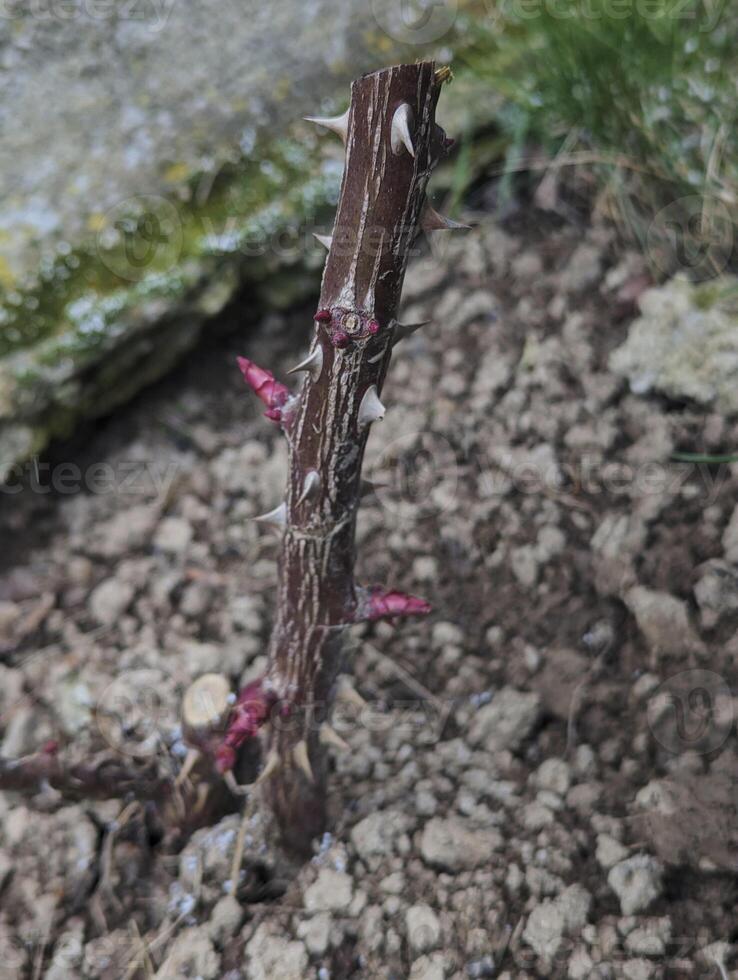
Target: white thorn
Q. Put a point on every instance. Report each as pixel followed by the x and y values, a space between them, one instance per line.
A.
pixel 310 486
pixel 313 364
pixel 302 759
pixel 271 764
pixel 328 736
pixel 336 124
pixel 405 330
pixel 400 131
pixel 325 240
pixel 345 691
pixel 431 220
pixel 371 409
pixel 276 517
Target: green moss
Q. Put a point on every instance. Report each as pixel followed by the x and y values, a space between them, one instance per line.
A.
pixel 163 247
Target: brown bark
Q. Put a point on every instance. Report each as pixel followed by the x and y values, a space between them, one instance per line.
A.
pixel 381 200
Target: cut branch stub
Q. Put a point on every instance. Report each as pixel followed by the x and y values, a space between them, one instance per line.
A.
pixel 392 143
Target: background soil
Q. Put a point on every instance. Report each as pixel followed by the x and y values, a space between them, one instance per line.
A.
pixel 542 782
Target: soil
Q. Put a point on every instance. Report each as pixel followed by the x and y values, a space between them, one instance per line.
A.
pixel 541 783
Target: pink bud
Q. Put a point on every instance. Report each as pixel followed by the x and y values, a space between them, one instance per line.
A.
pixel 250 712
pixel 271 392
pixel 275 414
pixel 323 316
pixel 373 326
pixel 340 339
pixel 385 605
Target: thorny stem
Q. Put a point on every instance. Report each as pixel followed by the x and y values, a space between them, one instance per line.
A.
pixel 392 144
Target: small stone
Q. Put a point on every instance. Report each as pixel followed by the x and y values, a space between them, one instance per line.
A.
pixel 454 845
pixel 273 956
pixel 445 633
pixel 663 620
pixel 315 932
pixel 716 592
pixel 575 903
pixel 638 969
pixel 544 929
pixel 423 928
pixel 225 920
pixel 110 600
pixel 554 774
pixel 377 834
pixel 428 968
pixel 173 535
pixel 536 816
pixel 506 721
pixel 192 955
pixel 610 851
pixel 524 564
pixel 650 938
pixel 637 881
pixel 332 890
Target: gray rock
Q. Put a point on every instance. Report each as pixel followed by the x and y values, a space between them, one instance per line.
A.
pixel 544 930
pixel 192 955
pixel 428 968
pixel 377 834
pixel 663 620
pixel 456 845
pixel 315 932
pixel 110 600
pixel 173 535
pixel 225 919
pixel 506 721
pixel 271 956
pixel 609 851
pixel 549 921
pixel 423 928
pixel 554 774
pixel 332 890
pixel 637 882
pixel 650 938
pixel 684 344
pixel 716 591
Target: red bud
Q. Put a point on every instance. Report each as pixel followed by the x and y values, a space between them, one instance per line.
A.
pixel 385 605
pixel 373 326
pixel 340 339
pixel 272 393
pixel 323 316
pixel 250 712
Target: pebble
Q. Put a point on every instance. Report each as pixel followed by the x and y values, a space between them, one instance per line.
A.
pixel 173 535
pixel 271 956
pixel 332 890
pixel 455 845
pixel 637 882
pixel 110 600
pixel 506 721
pixel 423 928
